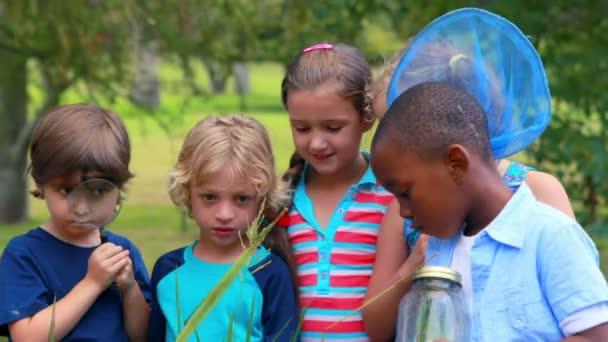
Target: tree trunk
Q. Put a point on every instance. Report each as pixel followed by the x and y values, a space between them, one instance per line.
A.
pixel 13 116
pixel 189 74
pixel 218 75
pixel 242 85
pixel 145 89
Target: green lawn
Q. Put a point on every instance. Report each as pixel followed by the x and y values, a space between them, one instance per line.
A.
pixel 148 217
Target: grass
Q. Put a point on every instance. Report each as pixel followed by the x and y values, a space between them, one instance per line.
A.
pixel 148 217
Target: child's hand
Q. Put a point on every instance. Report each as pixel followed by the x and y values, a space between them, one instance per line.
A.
pixel 125 279
pixel 419 253
pixel 415 259
pixel 105 263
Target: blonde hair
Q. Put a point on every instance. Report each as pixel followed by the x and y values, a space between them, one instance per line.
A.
pixel 237 144
pixel 240 145
pixel 382 78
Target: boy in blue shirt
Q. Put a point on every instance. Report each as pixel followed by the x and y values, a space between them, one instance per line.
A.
pixel 530 275
pixel 101 288
pixel 224 177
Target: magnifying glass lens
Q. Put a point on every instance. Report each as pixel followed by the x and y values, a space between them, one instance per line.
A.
pixel 94 203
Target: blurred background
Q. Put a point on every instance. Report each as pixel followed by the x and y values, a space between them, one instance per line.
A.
pixel 164 65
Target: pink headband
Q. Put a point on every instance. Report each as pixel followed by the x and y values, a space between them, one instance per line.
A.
pixel 321 46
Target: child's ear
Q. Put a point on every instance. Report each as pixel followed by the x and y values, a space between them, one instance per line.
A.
pixel 457 160
pixel 38 191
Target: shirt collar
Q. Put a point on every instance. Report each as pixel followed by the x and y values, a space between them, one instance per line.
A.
pixel 507 227
pixel 367 178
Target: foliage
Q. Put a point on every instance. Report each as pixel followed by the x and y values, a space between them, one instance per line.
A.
pixel 569 36
pixel 66 43
pixel 70 42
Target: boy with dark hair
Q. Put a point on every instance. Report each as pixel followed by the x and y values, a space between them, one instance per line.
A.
pixel 432 151
pixel 100 289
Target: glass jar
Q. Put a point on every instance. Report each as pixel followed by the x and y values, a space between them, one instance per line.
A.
pixel 434 310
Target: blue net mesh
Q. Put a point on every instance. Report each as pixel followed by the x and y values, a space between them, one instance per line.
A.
pixel 491 59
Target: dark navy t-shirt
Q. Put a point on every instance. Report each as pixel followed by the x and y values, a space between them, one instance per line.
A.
pixel 37 266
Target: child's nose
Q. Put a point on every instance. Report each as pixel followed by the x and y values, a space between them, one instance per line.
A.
pixel 317 142
pixel 225 211
pixel 81 208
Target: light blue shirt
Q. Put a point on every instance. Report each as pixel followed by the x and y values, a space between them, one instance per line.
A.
pixel 530 268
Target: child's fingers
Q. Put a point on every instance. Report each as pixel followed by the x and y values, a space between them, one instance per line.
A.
pixel 107 250
pixel 116 267
pixel 419 252
pixel 128 266
pixel 119 257
pixel 423 242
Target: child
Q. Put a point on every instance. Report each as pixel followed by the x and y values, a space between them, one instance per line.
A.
pixel 483 66
pixel 100 289
pixel 546 187
pixel 224 174
pixel 532 276
pixel 337 204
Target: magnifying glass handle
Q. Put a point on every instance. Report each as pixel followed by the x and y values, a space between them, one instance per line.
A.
pixel 102 234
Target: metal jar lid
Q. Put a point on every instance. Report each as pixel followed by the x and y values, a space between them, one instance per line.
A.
pixel 438 272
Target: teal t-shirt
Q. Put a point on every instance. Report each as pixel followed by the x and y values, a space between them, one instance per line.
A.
pixel 260 301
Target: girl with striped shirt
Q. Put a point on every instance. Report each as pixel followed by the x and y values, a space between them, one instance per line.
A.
pixel 338 206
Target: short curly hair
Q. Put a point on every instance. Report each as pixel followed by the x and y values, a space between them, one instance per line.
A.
pixel 235 143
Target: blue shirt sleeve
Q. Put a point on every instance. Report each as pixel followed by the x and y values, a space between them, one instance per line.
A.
pixel 140 272
pixel 280 309
pixel 163 266
pixel 22 289
pixel 569 274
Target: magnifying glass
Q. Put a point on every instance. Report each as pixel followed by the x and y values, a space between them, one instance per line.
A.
pixel 94 203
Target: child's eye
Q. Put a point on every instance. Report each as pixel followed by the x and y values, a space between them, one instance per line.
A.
pixel 208 197
pixel 64 190
pixel 242 199
pixel 334 128
pixel 405 194
pixel 301 129
pixel 99 191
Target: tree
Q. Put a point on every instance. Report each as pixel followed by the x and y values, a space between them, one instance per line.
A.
pixel 66 43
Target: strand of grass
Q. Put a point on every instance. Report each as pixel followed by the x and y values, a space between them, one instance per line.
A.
pixel 238 311
pixel 294 338
pixel 423 322
pixel 177 301
pixel 214 296
pixel 376 297
pixel 255 237
pixel 282 330
pixel 230 325
pixel 250 324
pixel 52 328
